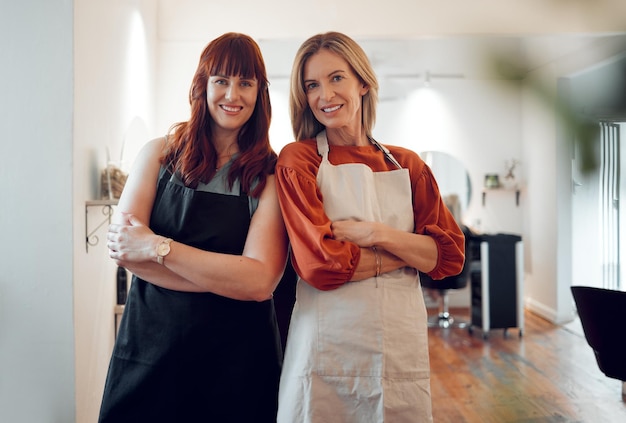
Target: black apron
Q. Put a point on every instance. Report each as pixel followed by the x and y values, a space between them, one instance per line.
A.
pixel 194 357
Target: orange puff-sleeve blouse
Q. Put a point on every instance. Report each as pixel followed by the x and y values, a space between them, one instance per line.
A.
pixel 327 263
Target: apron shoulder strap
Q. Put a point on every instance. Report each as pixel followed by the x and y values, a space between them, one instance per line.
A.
pixel 322 144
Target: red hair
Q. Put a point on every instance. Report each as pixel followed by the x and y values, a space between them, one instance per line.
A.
pixel 190 151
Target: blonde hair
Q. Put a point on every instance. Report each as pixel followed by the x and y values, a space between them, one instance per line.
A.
pixel 303 122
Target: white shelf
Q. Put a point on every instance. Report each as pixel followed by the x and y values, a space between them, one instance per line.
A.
pixel 516 190
pixel 91 239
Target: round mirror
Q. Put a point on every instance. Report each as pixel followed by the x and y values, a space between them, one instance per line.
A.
pixel 453 180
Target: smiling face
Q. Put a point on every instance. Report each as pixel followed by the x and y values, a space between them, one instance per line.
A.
pixel 334 91
pixel 231 101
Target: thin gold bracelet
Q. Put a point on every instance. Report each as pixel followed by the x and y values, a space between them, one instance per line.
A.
pixel 378 260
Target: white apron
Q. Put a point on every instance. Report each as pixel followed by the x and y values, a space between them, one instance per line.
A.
pixel 359 353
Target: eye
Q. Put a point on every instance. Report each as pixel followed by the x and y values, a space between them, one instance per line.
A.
pixel 220 81
pixel 337 78
pixel 310 86
pixel 247 83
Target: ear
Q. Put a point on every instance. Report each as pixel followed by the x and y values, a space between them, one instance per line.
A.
pixel 364 89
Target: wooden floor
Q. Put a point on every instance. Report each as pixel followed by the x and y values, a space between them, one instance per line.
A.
pixel 547 375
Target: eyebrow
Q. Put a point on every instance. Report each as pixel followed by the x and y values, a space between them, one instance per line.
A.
pixel 330 74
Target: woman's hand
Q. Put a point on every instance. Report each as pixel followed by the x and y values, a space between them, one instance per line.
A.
pixel 360 233
pixel 131 241
pixel 397 248
pixel 365 235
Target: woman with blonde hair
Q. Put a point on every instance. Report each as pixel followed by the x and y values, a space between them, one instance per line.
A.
pixel 362 220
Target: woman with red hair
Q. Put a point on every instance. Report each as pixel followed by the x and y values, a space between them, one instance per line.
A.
pixel 199 226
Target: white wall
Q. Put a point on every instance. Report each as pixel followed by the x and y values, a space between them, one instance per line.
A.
pixel 114 109
pixel 445 117
pixel 36 217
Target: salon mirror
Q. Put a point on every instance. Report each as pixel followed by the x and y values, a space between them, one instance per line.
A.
pixel 453 180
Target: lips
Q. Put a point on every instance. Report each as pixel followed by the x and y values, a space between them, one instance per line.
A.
pixel 231 108
pixel 331 109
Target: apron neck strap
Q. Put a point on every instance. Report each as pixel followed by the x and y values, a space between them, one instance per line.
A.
pixel 322 148
pixel 386 152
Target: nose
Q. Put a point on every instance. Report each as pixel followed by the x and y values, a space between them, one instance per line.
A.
pixel 232 92
pixel 327 92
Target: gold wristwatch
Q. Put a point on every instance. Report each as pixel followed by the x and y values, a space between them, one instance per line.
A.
pixel 163 249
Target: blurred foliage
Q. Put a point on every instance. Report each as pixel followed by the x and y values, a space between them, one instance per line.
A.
pixel 583 130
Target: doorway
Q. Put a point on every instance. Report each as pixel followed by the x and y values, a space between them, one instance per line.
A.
pixel 598 221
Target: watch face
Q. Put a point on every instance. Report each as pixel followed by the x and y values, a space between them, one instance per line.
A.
pixel 164 248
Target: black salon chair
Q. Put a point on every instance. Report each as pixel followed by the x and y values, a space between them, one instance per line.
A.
pixel 600 311
pixel 443 286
